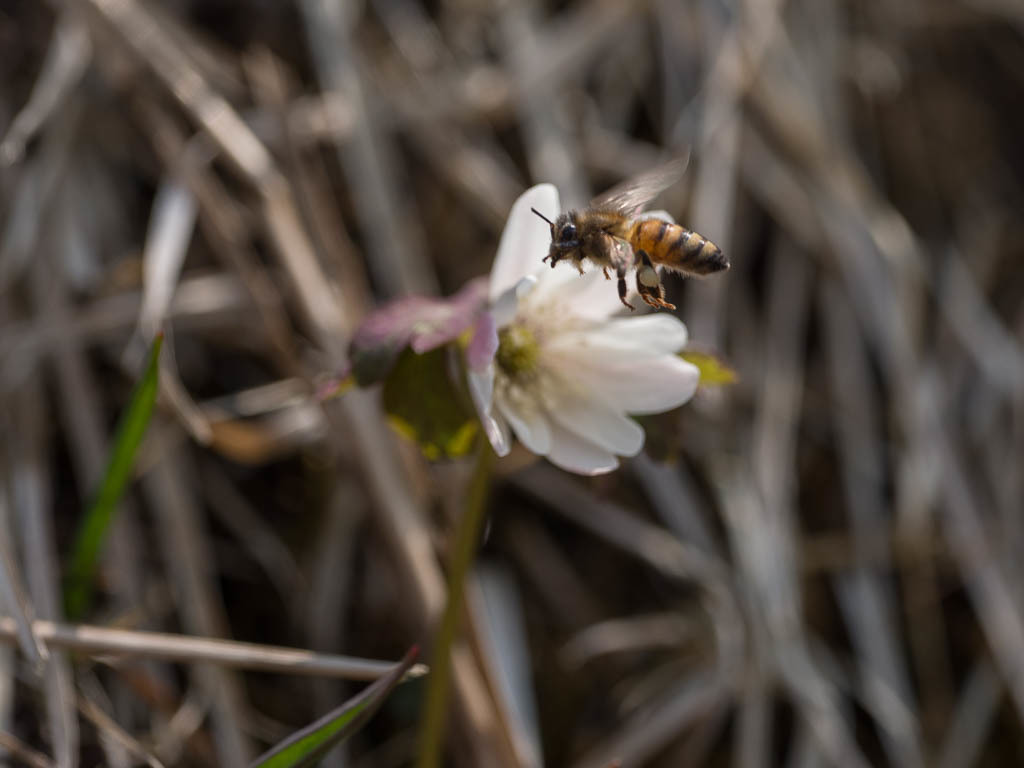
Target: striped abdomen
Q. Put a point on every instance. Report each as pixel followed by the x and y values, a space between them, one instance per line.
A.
pixel 677 247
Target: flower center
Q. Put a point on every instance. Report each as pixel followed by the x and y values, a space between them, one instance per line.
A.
pixel 517 351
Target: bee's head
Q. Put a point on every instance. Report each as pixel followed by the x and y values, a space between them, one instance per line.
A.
pixel 564 238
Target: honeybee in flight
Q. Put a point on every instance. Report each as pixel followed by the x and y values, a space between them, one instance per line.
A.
pixel 612 234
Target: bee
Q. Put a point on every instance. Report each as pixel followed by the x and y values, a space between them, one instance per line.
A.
pixel 613 234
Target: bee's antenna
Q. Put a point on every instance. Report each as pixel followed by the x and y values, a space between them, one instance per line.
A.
pixel 543 216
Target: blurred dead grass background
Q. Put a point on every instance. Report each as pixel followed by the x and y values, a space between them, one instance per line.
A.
pixel 818 566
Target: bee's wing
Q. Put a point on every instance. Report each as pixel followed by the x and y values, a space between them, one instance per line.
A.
pixel 629 197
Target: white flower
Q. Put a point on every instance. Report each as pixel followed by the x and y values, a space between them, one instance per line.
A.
pixel 564 373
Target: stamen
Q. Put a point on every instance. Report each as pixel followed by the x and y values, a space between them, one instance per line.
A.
pixel 517 351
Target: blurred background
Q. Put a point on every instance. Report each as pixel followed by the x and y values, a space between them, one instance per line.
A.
pixel 819 565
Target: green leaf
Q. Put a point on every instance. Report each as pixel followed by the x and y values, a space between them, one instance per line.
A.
pixel 424 405
pixel 307 746
pixel 93 530
pixel 713 371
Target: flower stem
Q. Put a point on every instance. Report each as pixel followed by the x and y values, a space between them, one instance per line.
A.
pixel 435 710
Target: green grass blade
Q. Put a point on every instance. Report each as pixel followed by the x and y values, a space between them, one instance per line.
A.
pixel 96 523
pixel 310 744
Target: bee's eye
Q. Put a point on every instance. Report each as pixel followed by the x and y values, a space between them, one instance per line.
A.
pixel 568 232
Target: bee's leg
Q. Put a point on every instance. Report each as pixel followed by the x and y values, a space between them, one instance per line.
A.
pixel 648 283
pixel 620 272
pixel 579 267
pixel 606 275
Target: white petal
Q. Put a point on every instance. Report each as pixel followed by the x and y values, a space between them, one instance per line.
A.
pixel 481 387
pixel 589 296
pixel 552 282
pixel 638 385
pixel 497 432
pixel 530 425
pixel 575 454
pixel 506 305
pixel 596 298
pixel 526 238
pixel 600 424
pixel 481 390
pixel 631 336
